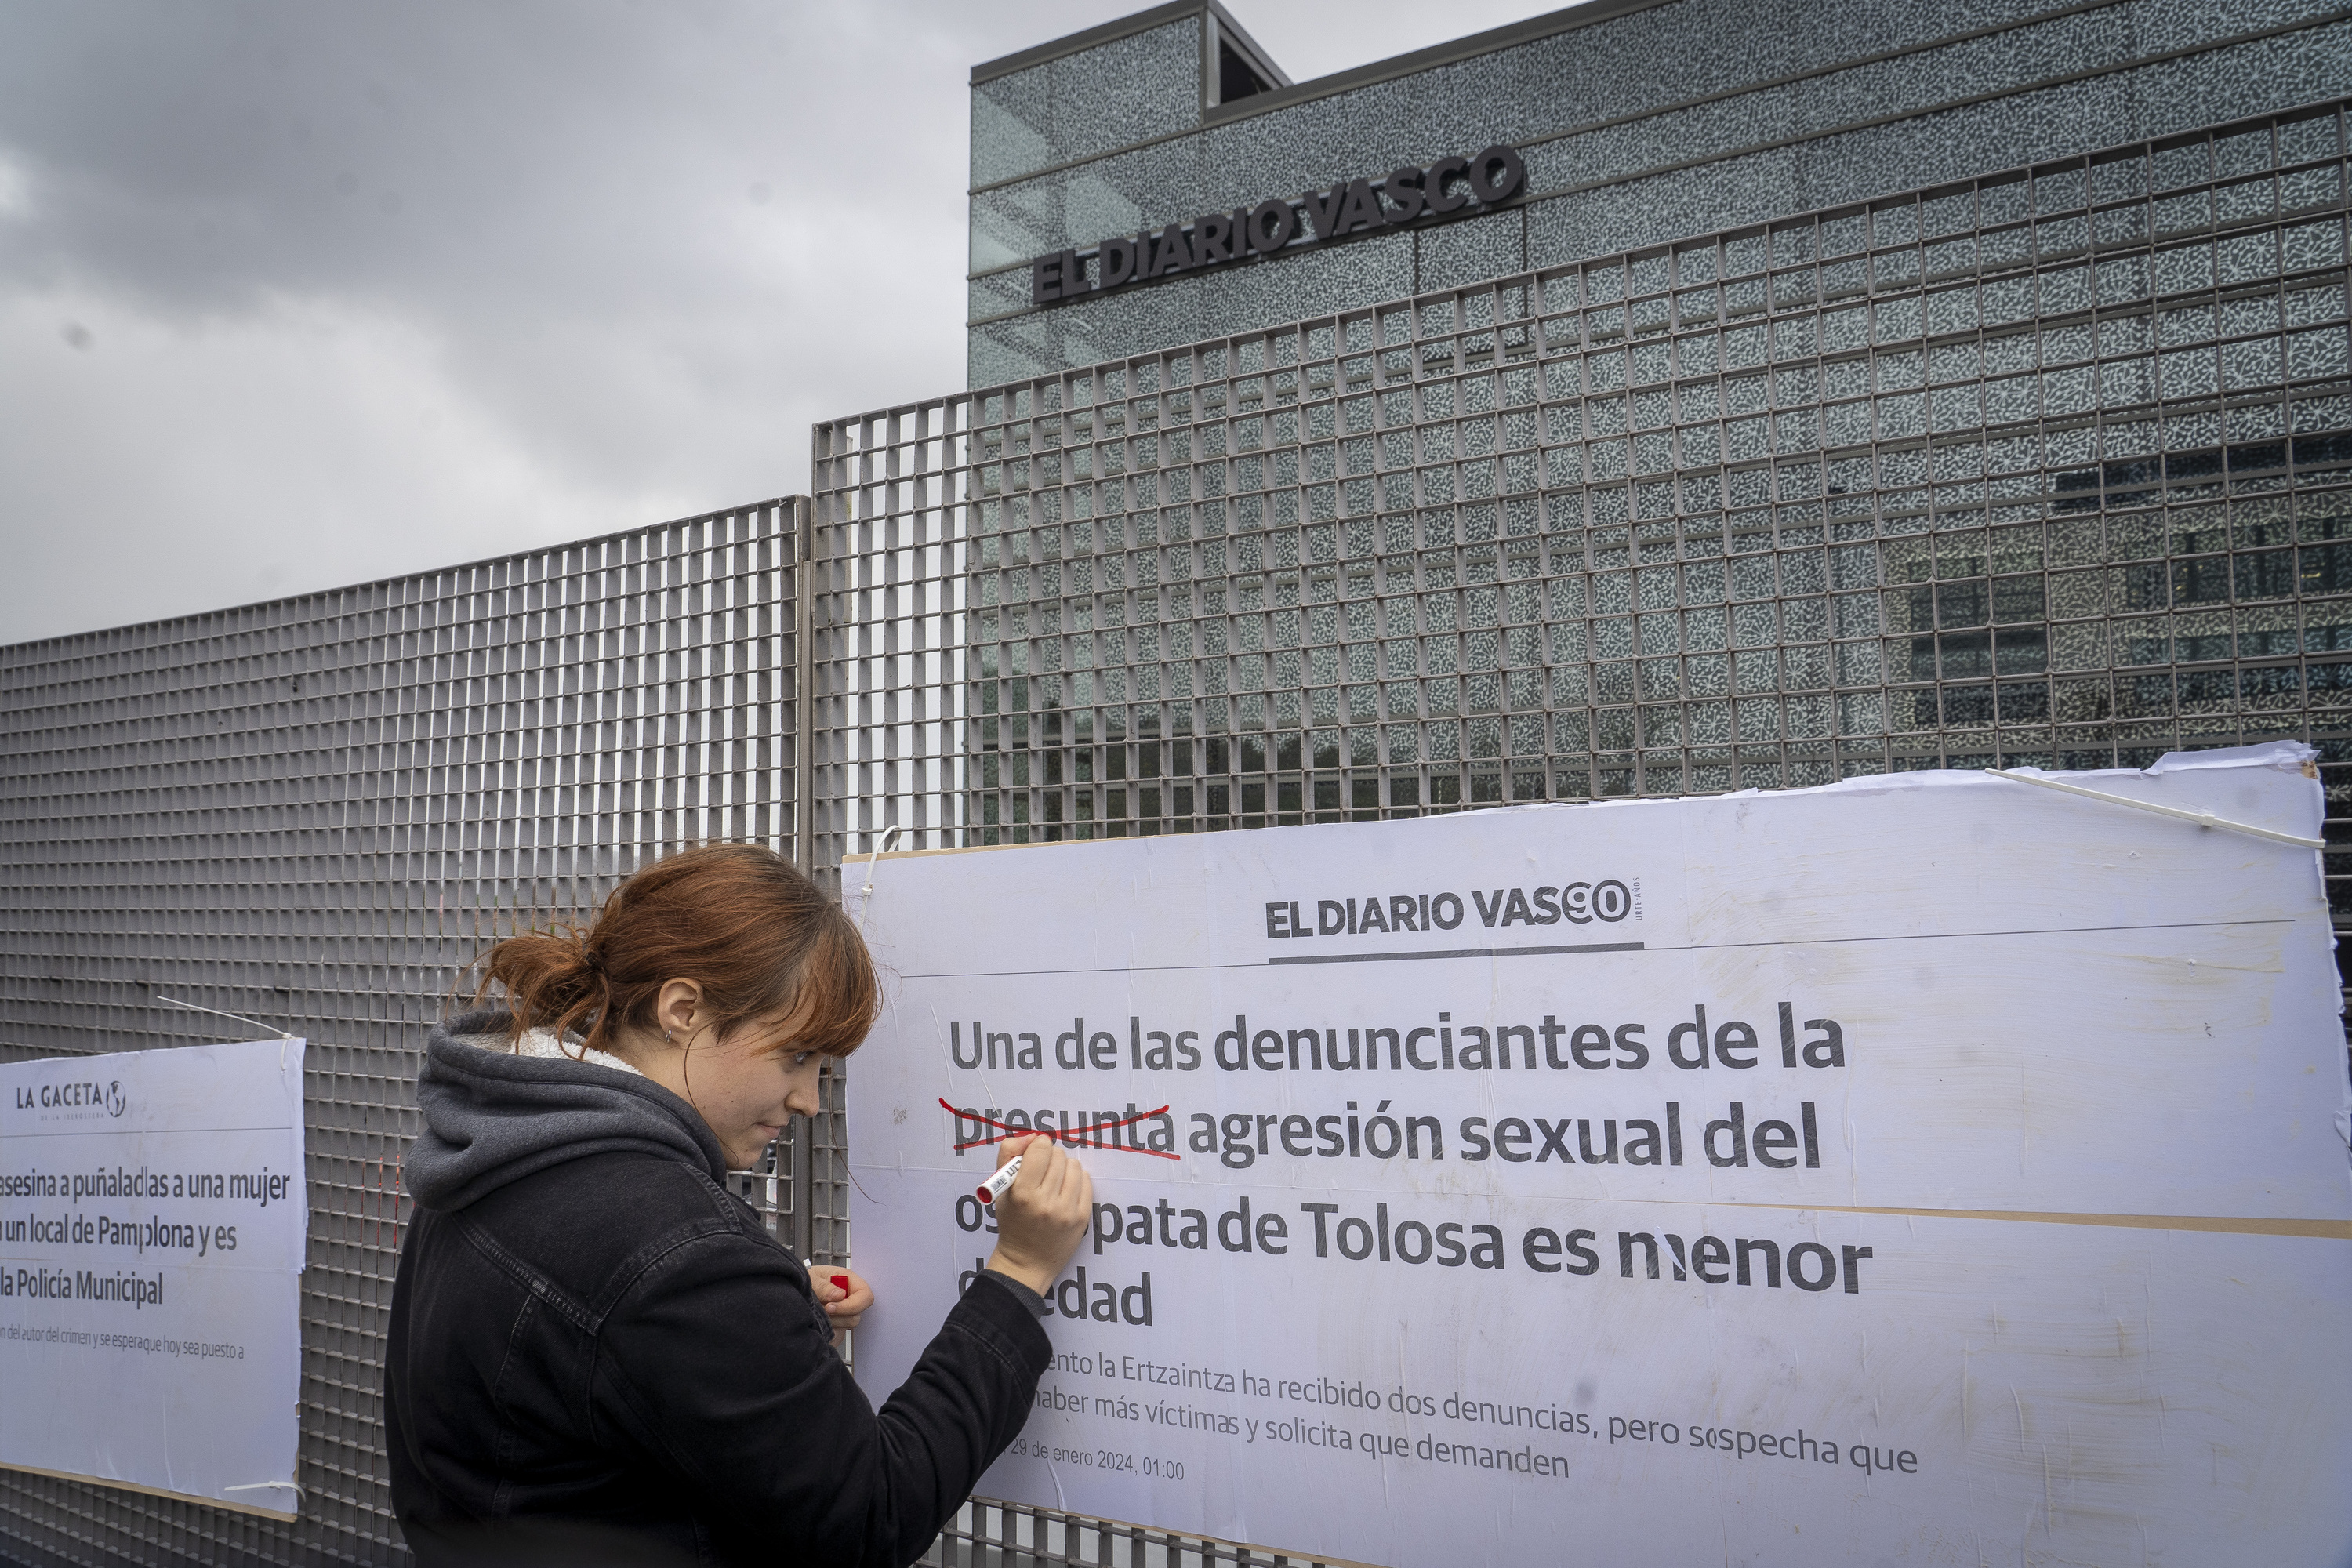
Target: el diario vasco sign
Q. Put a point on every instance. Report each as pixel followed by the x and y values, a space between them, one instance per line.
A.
pixel 1451 187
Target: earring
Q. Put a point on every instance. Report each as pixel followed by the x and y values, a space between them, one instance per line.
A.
pixel 670 1037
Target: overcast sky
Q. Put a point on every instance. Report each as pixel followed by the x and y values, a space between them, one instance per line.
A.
pixel 300 294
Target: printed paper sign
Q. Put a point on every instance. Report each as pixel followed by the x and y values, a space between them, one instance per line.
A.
pixel 153 1217
pixel 1930 1168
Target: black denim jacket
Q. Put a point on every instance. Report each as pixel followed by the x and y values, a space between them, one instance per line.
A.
pixel 598 1354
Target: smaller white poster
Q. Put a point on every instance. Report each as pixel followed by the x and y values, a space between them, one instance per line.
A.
pixel 153 1217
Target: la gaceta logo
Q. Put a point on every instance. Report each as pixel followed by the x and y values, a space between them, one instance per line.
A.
pixel 86 1095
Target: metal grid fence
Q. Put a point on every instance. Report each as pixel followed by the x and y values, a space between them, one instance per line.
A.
pixel 314 814
pixel 2052 467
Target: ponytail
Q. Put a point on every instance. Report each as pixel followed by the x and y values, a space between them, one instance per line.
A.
pixel 737 919
pixel 552 982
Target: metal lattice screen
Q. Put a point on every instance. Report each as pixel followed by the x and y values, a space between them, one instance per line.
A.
pixel 2053 468
pixel 315 813
pixel 2044 468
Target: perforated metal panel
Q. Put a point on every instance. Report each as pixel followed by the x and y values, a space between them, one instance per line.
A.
pixel 2042 469
pixel 314 814
pixel 2052 467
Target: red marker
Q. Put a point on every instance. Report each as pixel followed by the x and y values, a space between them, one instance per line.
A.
pixel 993 1188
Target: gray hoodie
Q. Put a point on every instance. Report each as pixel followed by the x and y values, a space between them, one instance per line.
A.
pixel 493 1116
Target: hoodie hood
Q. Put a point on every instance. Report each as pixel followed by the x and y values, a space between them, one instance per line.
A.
pixel 492 1116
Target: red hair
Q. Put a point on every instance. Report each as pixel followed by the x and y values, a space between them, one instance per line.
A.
pixel 737 919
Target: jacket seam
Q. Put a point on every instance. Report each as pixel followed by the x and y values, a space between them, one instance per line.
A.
pixel 636 1276
pixel 503 1495
pixel 618 1375
pixel 531 1279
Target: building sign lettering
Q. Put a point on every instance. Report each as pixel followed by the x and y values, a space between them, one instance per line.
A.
pixel 1450 187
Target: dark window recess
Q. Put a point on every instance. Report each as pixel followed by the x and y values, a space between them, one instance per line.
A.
pixel 2329 677
pixel 2202 581
pixel 1920 607
pixel 2191 541
pixel 2144 586
pixel 2324 630
pixel 1968 705
pixel 2208 686
pixel 1960 603
pixel 2024 650
pixel 2025 704
pixel 2327 568
pixel 2323 451
pixel 2273 680
pixel 2127 483
pixel 1237 77
pixel 2145 695
pixel 2193 647
pixel 2265 573
pixel 1968 656
pixel 1923 661
pixel 2120 478
pixel 2272 640
pixel 2070 484
pixel 2017 599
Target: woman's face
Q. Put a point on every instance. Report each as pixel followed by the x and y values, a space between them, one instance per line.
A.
pixel 746 1086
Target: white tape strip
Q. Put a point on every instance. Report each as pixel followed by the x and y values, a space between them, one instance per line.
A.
pixel 2201 818
pixel 236 1018
pixel 268 1486
pixel 866 894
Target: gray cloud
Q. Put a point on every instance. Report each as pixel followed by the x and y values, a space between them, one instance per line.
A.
pixel 295 294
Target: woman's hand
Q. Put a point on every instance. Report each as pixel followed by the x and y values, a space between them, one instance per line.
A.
pixel 843 1296
pixel 1043 1214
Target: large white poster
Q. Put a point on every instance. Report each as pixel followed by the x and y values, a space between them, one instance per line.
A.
pixel 1934 1168
pixel 153 1217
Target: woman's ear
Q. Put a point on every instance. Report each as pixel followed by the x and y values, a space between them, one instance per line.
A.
pixel 675 1009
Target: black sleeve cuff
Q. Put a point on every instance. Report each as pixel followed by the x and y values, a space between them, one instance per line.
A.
pixel 999 1313
pixel 1021 1293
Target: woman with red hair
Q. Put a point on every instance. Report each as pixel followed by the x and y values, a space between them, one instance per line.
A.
pixel 598 1354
